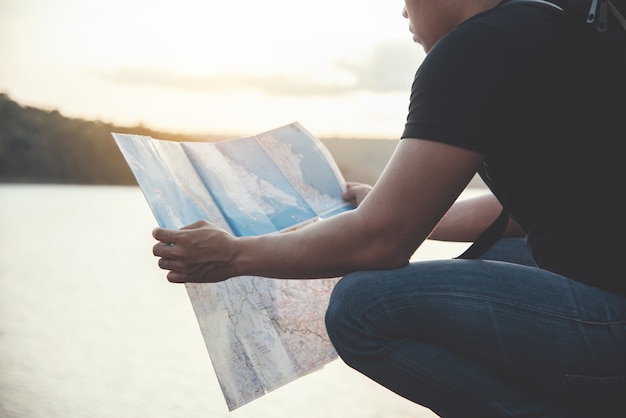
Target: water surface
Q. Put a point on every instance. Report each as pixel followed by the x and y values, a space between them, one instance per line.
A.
pixel 89 327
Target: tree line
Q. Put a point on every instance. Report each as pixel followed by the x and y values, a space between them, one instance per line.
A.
pixel 41 146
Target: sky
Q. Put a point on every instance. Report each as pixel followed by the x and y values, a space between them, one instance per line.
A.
pixel 340 67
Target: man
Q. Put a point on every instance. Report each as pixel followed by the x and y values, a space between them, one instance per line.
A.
pixel 511 90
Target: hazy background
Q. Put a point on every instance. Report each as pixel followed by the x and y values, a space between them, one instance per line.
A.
pixel 88 324
pixel 343 68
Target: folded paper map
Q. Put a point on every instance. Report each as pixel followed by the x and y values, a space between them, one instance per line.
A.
pixel 260 333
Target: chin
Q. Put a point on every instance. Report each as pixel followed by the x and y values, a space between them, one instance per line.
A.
pixel 420 43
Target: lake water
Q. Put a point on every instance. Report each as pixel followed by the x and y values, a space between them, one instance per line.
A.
pixel 89 327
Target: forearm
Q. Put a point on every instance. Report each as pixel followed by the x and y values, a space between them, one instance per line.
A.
pixel 329 248
pixel 468 218
pixel 382 233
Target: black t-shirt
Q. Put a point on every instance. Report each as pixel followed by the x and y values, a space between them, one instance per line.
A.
pixel 520 84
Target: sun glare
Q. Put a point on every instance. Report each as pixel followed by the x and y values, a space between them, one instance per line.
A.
pixel 198 66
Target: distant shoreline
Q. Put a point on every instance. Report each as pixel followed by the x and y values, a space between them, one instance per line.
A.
pixel 44 147
pixel 363 160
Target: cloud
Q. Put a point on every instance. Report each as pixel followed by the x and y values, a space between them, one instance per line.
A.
pixel 390 68
pixel 273 85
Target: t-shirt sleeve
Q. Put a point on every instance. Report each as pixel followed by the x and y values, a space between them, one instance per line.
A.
pixel 459 90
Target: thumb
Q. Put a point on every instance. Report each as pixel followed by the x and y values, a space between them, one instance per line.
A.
pixel 196 225
pixel 356 192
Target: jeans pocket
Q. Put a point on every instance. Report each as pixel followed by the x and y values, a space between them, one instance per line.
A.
pixel 595 396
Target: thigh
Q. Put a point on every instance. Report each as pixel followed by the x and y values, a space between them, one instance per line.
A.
pixel 526 324
pixel 512 250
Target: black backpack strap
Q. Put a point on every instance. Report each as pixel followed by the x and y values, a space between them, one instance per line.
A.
pixel 619 11
pixel 488 237
pixel 495 231
pixel 542 2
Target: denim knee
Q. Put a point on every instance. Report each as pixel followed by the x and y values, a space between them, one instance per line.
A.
pixel 340 321
pixel 334 311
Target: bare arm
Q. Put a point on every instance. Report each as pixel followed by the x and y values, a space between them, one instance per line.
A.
pixel 419 185
pixel 468 218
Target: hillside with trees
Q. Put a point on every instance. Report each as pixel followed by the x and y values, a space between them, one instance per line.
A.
pixel 43 146
pixel 40 146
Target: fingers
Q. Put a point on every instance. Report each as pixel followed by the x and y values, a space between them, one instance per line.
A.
pixel 349 193
pixel 172 264
pixel 194 253
pixel 356 192
pixel 171 245
pixel 167 250
pixel 184 273
pixel 196 225
pixel 170 240
pixel 179 271
pixel 170 236
pixel 176 277
pixel 164 235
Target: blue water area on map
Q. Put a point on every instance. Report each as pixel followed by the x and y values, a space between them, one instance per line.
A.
pixel 172 207
pixel 178 196
pixel 192 201
pixel 314 165
pixel 242 222
pixel 271 187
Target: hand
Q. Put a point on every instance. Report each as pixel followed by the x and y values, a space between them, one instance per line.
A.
pixel 200 252
pixel 356 192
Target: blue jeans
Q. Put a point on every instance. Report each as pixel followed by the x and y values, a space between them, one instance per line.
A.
pixel 483 338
